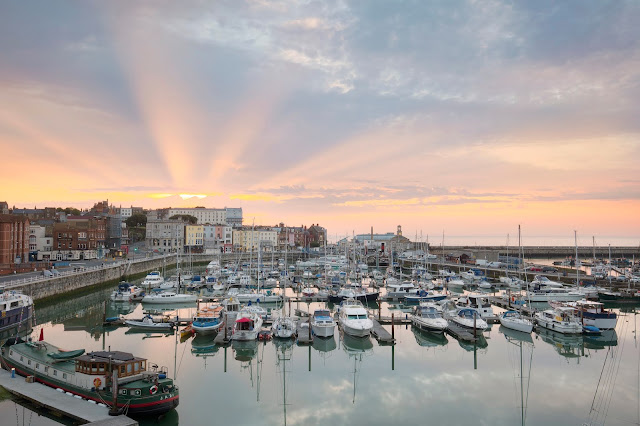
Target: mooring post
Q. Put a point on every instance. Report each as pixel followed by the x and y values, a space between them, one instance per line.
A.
pixel 474 323
pixel 393 330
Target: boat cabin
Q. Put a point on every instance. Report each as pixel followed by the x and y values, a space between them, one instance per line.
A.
pixel 244 324
pixel 104 362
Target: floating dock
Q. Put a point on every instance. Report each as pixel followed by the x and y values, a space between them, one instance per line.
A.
pixel 61 403
pixel 220 339
pixel 305 337
pixel 381 333
pixel 462 333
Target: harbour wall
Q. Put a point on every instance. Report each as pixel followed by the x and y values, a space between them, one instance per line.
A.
pixel 40 288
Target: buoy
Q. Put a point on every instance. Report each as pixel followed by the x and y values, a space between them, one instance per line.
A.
pixel 97 382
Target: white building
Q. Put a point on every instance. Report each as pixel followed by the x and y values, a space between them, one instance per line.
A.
pixel 211 216
pixel 165 235
pixel 37 239
pixel 125 213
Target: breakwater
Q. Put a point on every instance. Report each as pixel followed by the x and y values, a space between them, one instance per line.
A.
pixel 40 287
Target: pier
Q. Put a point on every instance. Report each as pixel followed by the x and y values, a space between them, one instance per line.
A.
pixel 61 403
pixel 462 333
pixel 381 333
pixel 305 336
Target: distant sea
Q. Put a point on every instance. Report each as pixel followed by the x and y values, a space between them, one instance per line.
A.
pixel 532 240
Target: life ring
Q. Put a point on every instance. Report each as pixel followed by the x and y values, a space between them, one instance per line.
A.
pixel 153 389
pixel 513 298
pixel 97 382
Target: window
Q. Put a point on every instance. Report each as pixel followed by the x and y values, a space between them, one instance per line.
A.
pixel 64 375
pixel 122 370
pixel 55 372
pixel 28 362
pixel 46 369
pixel 128 368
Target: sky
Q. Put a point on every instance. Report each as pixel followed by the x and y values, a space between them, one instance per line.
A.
pixel 463 117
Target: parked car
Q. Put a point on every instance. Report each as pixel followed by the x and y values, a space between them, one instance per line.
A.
pixel 635 279
pixel 621 278
pixel 534 269
pixel 549 269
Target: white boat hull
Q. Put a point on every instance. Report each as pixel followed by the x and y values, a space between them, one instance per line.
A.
pixel 323 330
pixel 435 325
pixel 210 329
pixel 356 329
pixel 560 327
pixel 517 324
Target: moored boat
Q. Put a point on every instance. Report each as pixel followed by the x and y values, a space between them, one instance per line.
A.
pixel 91 376
pixel 560 319
pixel 207 320
pixel 169 297
pixel 515 321
pixel 322 324
pixel 15 308
pixel 428 317
pixel 354 318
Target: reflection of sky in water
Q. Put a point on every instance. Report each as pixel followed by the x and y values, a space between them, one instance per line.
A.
pixel 433 380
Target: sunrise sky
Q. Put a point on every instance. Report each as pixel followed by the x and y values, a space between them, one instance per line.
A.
pixel 468 117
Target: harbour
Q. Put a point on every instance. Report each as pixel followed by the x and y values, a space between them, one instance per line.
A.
pixel 397 356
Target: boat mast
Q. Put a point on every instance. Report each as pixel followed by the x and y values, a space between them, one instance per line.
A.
pixel 575 237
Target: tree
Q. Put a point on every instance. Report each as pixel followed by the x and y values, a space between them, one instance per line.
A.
pixel 69 210
pixel 187 218
pixel 136 220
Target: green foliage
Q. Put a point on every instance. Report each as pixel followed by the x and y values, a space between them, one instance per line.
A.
pixel 137 234
pixel 136 220
pixel 187 218
pixel 69 210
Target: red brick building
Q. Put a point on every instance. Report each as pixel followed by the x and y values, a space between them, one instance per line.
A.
pixel 14 239
pixel 80 233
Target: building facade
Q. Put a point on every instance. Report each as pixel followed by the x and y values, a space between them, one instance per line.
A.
pixel 14 239
pixel 165 235
pixel 194 238
pixel 79 238
pixel 248 239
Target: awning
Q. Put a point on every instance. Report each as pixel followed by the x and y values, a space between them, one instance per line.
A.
pixel 244 319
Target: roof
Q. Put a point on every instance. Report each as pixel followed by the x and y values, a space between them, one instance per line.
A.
pixel 9 218
pixel 105 355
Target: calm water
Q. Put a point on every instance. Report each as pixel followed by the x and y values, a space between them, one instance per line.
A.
pixel 422 379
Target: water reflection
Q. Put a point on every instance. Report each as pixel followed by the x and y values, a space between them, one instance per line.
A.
pixel 569 346
pixel 427 339
pixel 361 368
pixel 606 339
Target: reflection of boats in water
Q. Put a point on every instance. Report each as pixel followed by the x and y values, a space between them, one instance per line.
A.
pixel 567 345
pixel 511 334
pixel 520 341
pixel 245 350
pixel 202 346
pixel 428 339
pixel 605 339
pixel 481 343
pixel 324 344
pixel 356 348
pixel 356 345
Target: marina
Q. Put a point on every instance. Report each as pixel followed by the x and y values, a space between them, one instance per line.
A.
pixel 395 348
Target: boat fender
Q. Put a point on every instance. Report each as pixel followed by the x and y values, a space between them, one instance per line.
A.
pixel 162 376
pixel 97 382
pixel 153 390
